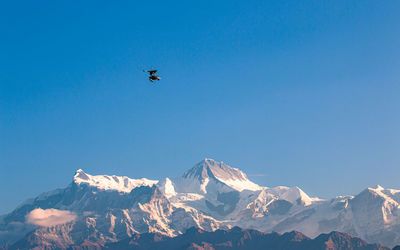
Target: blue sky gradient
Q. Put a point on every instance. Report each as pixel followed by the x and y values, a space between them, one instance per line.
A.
pixel 292 92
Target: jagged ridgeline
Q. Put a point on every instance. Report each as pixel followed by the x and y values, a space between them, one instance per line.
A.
pixel 211 195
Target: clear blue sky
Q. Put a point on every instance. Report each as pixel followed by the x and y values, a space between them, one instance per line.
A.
pixel 304 93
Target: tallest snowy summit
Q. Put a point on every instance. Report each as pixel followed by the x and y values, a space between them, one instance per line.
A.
pixel 209 169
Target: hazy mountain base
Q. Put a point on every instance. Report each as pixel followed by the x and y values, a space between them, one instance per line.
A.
pixel 235 238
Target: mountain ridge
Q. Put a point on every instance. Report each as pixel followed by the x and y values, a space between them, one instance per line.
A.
pixel 104 209
pixel 106 182
pixel 234 238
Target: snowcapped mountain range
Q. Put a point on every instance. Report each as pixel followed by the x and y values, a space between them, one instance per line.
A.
pixel 211 195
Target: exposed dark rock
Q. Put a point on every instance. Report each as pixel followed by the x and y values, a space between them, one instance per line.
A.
pixel 237 238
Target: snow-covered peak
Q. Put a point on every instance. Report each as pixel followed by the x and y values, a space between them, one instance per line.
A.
pixel 211 169
pixel 383 193
pixel 167 187
pixel 292 194
pixel 377 188
pixel 105 182
pixel 80 174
